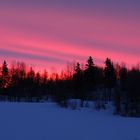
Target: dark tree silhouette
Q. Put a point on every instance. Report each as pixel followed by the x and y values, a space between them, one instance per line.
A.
pixel 78 84
pixel 109 77
pixel 89 75
pixel 123 78
pixel 117 84
pixel 133 93
pixel 5 75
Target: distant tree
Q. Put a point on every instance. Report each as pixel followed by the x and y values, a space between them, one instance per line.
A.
pixel 5 75
pixel 123 77
pixel 78 84
pixel 4 69
pixel 62 75
pixel 78 69
pixel 38 86
pixel 133 93
pixel 89 75
pixel 30 83
pixel 54 76
pixel 44 83
pixel 120 99
pixel 0 78
pixel 38 78
pixel 109 76
pixel 109 72
pixel 31 74
pixel 98 95
pixel 45 77
pixel 90 63
pixel 69 70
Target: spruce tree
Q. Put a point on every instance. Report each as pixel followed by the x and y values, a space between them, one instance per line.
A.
pixel 5 75
pixel 109 77
pixel 109 73
pixel 89 75
pixel 123 78
pixel 78 83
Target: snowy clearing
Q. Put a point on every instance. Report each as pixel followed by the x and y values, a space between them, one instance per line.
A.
pixel 47 121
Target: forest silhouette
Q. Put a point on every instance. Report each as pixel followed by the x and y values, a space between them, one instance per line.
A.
pixel 111 83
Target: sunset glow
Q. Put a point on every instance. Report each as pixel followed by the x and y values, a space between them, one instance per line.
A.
pixel 48 34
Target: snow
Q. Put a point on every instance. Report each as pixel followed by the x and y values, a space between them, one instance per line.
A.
pixel 47 121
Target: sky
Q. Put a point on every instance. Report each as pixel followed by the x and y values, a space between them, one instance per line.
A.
pixel 47 34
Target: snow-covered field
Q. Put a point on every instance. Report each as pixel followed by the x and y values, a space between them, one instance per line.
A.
pixel 47 121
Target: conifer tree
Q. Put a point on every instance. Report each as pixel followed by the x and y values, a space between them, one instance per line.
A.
pixel 109 73
pixel 109 77
pixel 5 75
pixel 78 83
pixel 89 75
pixel 123 78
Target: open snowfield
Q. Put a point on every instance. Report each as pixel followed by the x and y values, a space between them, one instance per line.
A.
pixel 47 121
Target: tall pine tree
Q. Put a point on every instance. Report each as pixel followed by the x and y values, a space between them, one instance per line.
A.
pixel 109 78
pixel 89 78
pixel 78 84
pixel 5 75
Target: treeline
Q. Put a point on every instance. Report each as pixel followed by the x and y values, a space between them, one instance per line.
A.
pixel 87 83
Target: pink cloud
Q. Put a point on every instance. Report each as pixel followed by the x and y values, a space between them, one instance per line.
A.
pixel 69 35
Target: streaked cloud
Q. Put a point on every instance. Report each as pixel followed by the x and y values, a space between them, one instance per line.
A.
pixel 58 31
